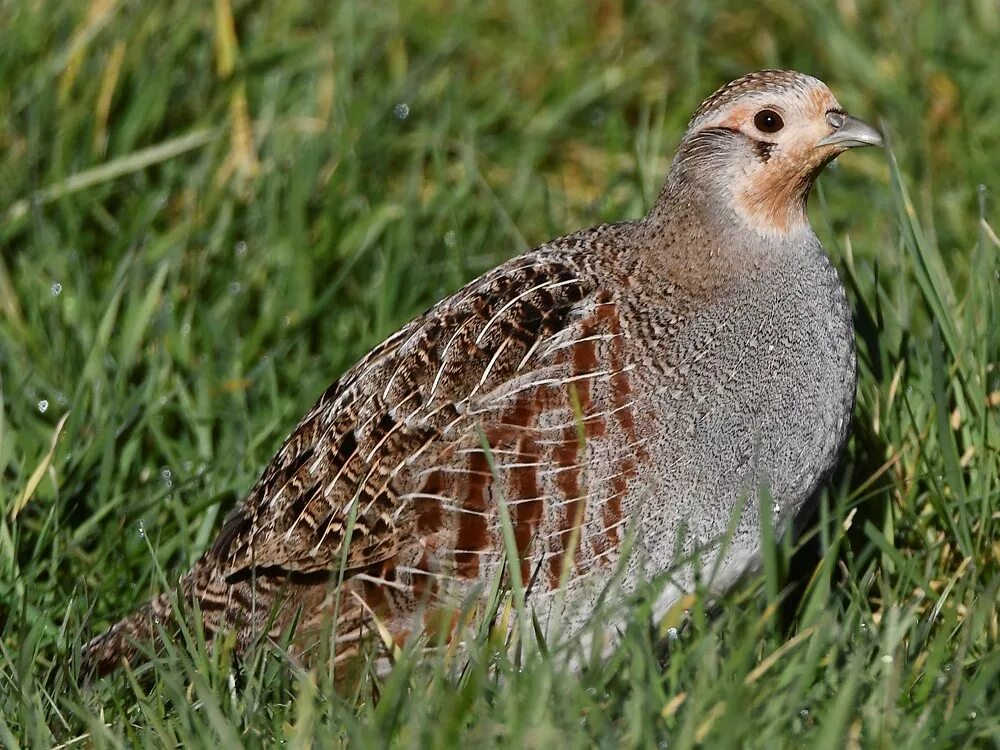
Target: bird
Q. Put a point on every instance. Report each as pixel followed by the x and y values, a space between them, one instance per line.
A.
pixel 626 393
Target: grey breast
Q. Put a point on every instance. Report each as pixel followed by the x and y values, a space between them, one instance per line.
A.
pixel 755 390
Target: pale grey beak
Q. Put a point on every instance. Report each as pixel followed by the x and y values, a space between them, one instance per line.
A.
pixel 849 132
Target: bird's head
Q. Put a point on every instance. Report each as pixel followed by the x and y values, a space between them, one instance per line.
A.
pixel 758 143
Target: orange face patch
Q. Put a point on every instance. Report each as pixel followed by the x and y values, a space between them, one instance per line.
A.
pixel 774 197
pixel 739 117
pixel 771 191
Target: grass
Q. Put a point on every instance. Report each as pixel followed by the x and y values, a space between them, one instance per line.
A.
pixel 208 211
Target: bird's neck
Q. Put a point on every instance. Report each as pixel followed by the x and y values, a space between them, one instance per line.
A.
pixel 701 236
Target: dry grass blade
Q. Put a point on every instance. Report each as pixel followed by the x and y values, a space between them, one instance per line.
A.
pixel 36 476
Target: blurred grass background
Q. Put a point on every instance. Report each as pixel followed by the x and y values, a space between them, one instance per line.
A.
pixel 210 210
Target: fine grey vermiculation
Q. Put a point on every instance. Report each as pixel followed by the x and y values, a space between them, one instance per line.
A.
pixel 650 374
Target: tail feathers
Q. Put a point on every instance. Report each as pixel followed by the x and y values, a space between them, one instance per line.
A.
pixel 254 607
pixel 122 641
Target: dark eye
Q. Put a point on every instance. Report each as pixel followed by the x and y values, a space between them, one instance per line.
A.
pixel 768 121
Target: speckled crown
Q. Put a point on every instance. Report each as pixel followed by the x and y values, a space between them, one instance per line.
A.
pixel 776 81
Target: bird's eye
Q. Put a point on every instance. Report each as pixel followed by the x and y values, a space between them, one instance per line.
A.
pixel 768 121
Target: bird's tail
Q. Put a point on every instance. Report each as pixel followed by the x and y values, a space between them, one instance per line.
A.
pixel 122 641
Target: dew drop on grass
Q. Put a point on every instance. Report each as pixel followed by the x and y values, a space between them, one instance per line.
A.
pixel 56 288
pixel 450 238
pixel 167 476
pixel 672 634
pixel 401 111
pixel 142 530
pixel 43 406
pixel 241 248
pixel 235 287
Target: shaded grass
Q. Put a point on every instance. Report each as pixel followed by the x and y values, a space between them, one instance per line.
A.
pixel 202 223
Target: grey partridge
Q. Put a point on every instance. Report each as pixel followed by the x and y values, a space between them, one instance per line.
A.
pixel 641 379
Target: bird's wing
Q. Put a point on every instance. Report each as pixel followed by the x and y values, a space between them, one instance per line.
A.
pixel 399 408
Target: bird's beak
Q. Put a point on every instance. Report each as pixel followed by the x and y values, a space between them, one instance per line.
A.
pixel 852 132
